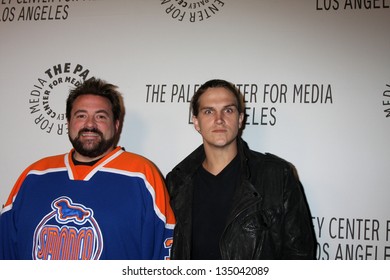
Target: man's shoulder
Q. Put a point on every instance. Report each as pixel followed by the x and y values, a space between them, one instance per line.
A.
pixel 134 157
pixel 270 160
pixel 53 161
pixel 134 162
pixel 275 158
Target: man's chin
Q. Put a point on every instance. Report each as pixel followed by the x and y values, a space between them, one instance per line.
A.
pixel 92 149
pixel 91 153
pixel 89 146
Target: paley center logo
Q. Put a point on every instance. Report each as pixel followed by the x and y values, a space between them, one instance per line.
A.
pixel 191 10
pixel 48 97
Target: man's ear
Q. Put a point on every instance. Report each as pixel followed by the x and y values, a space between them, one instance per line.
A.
pixel 196 123
pixel 117 125
pixel 240 120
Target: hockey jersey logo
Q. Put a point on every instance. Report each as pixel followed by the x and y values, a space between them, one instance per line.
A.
pixel 68 212
pixel 69 232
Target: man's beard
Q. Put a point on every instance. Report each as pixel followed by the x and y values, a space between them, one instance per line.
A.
pixel 98 149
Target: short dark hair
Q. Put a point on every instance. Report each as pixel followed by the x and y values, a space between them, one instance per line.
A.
pixel 216 83
pixel 97 87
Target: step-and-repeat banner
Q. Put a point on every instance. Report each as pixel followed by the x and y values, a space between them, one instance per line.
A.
pixel 315 76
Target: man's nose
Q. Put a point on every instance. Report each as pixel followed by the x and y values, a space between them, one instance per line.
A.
pixel 90 121
pixel 219 117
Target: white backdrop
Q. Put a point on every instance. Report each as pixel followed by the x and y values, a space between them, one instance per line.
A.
pixel 315 75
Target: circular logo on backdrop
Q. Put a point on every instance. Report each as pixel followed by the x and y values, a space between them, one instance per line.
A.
pixel 47 99
pixel 191 10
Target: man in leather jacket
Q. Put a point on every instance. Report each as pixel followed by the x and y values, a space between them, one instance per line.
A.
pixel 231 202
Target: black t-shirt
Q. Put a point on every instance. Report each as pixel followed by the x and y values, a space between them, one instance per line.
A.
pixel 212 201
pixel 89 163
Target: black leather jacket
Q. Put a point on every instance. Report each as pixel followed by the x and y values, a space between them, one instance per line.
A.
pixel 270 217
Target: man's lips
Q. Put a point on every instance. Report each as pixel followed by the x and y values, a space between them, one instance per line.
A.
pixel 220 130
pixel 89 134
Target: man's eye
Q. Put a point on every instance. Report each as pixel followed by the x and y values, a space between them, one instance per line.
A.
pixel 101 117
pixel 230 110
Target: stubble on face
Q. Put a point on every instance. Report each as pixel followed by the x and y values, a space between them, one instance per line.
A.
pixel 89 147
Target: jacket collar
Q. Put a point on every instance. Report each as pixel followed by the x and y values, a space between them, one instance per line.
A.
pixel 192 162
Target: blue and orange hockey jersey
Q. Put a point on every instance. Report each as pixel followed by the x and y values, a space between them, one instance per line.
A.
pixel 116 209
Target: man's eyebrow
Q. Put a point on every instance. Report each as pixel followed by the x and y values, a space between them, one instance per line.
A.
pixel 97 112
pixel 103 111
pixel 206 107
pixel 79 111
pixel 213 108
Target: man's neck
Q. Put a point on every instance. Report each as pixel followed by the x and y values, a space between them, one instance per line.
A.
pixel 87 163
pixel 217 158
pixel 84 159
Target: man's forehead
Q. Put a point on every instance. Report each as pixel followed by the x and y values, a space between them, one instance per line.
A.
pixel 219 105
pixel 91 99
pixel 91 102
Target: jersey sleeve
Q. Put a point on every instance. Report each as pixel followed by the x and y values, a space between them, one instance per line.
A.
pixel 7 226
pixel 163 218
pixel 159 221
